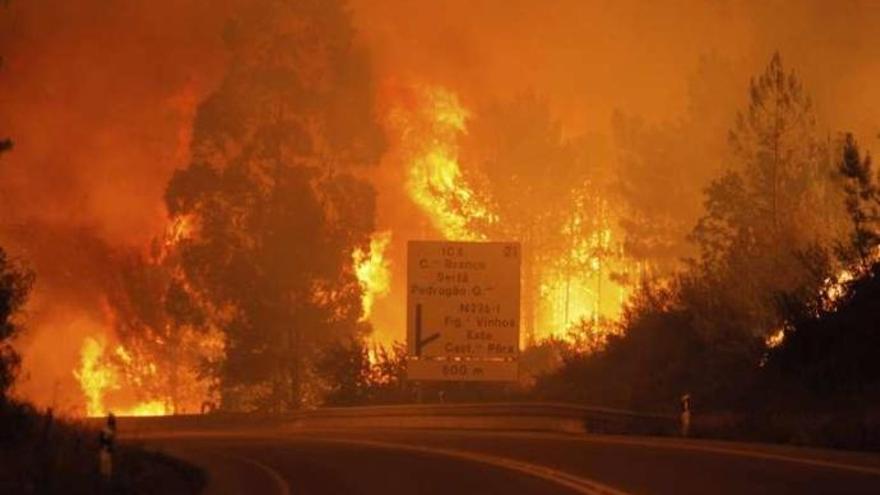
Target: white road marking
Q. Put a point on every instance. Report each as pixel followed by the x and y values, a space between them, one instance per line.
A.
pixel 575 483
pixel 692 445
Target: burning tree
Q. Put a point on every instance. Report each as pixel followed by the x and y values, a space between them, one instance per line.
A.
pixel 275 200
pixel 510 173
pixel 781 202
pixel 527 169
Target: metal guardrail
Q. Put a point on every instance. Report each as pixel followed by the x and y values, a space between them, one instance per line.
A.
pixel 492 416
pixel 537 415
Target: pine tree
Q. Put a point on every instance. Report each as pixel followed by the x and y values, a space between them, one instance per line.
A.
pixel 779 201
pixel 862 202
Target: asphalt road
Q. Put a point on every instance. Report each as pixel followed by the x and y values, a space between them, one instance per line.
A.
pixel 391 461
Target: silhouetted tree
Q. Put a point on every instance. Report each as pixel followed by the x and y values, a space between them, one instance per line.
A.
pixel 388 377
pixel 666 350
pixel 15 285
pixel 862 204
pixel 344 367
pixel 779 200
pixel 275 204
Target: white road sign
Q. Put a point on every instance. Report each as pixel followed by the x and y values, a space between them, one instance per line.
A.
pixel 463 310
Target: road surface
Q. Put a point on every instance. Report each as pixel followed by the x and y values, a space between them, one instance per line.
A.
pixel 407 461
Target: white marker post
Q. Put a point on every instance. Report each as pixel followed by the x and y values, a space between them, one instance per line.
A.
pixel 107 445
pixel 463 310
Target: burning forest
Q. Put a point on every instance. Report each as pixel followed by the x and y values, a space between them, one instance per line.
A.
pixel 207 204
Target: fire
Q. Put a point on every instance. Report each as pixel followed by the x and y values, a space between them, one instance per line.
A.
pixel 429 137
pixel 98 377
pixel 179 228
pixel 94 377
pixel 373 271
pixel 581 282
pixel 149 408
pixel 775 338
pixel 586 284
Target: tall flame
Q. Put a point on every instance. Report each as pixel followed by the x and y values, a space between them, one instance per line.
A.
pixel 429 135
pixel 373 271
pixel 94 378
pixel 578 283
pixel 97 377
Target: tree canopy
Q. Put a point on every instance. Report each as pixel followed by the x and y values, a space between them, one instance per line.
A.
pixel 273 195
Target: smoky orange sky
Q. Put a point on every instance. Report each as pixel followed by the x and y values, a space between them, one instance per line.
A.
pixel 99 95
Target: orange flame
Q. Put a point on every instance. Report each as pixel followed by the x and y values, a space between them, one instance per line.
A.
pixel 97 377
pixel 579 283
pixel 373 271
pixel 429 140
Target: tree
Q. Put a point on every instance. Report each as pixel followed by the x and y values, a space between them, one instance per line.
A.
pixel 662 168
pixel 862 201
pixel 779 201
pixel 665 351
pixel 276 205
pixel 168 349
pixel 15 285
pixel 528 171
pixel 828 355
pixel 346 371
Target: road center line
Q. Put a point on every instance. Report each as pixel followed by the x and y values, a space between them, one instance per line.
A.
pixel 575 483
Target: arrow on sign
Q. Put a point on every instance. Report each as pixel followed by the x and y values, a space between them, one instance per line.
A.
pixel 420 342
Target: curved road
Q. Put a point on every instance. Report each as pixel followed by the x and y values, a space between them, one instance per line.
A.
pixel 406 461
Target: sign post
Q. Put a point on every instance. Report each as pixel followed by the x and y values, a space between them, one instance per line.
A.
pixel 463 310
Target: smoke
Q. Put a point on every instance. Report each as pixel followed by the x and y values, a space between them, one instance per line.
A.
pixel 98 97
pixel 680 70
pixel 592 58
